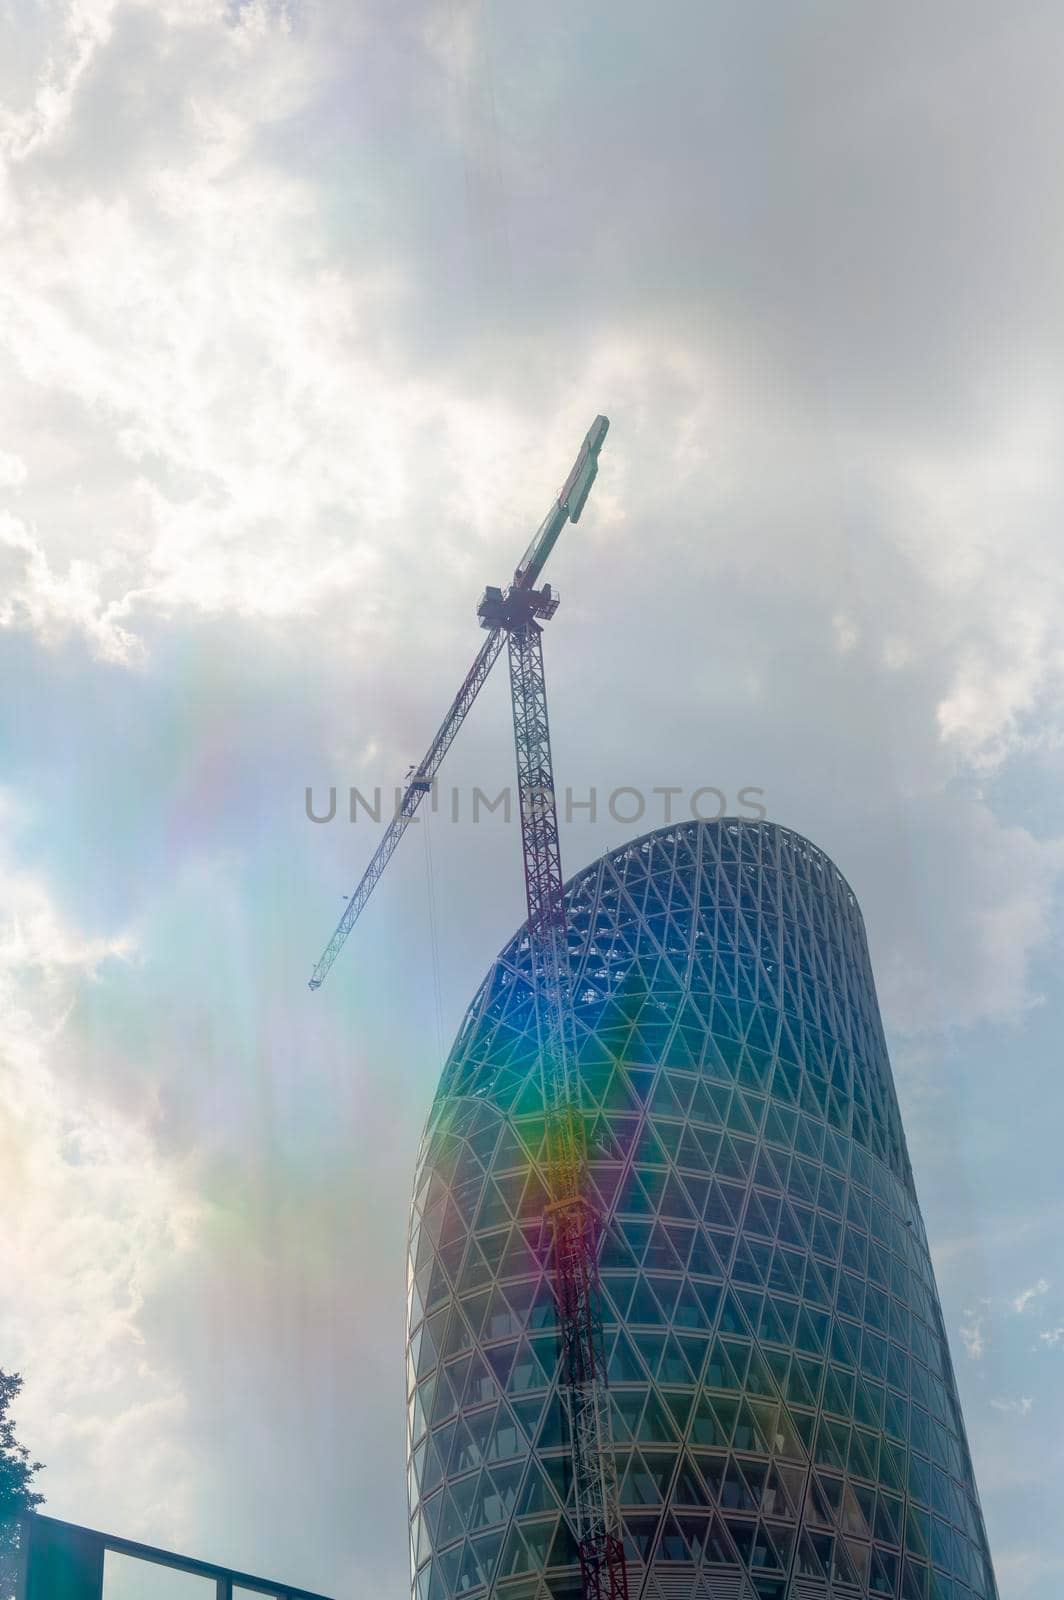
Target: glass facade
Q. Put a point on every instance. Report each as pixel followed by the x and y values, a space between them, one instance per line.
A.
pixel 785 1415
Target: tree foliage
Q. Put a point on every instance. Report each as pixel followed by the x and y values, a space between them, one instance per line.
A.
pixel 17 1494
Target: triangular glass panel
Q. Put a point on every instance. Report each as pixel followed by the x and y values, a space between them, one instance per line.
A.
pixel 673 1367
pixel 667 1291
pixel 688 1489
pixel 554 1430
pixel 731 1318
pixel 888 1519
pixel 672 1546
pixel 528 1415
pixel 559 1471
pixel 480 1385
pixel 663 1101
pixel 656 1426
pixel 674 1201
pixel 689 1312
pixel 704 1261
pixel 622 1364
pixel 710 1295
pixel 632 1198
pixel 771 1328
pixel 842 1570
pixel 735 1354
pixel 638 1487
pixel 707 1428
pixel 564 1552
pixel 864 1451
pixel 808 1564
pixel 452 1521
pixel 742 1537
pixel 758 1380
pixel 795 1432
pixel 644 1308
pixel 679 1402
pixel 528 1371
pixel 626 1406
pixel 493 1208
pixel 660 1255
pixel 735 1493
pixel 501 1359
pixel 640 1533
pixel 883 1574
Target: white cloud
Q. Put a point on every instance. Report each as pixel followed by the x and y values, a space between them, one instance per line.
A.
pixel 1052 1337
pixel 93 1216
pixel 53 605
pixel 972 1337
pixel 970 902
pixel 12 471
pixel 846 632
pixel 251 427
pixel 58 44
pixel 191 312
pixel 1019 1408
pixel 986 521
pixel 1023 1300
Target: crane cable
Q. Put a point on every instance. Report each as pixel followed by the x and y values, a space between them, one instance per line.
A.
pixel 434 938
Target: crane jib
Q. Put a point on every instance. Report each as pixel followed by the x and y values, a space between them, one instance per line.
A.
pixel 418 786
pixel 566 507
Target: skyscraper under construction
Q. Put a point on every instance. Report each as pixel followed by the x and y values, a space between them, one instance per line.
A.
pixel 784 1414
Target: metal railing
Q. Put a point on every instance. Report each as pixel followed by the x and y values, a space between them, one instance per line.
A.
pixel 62 1561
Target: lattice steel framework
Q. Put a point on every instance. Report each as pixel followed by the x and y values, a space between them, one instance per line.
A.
pixel 570 1213
pixel 780 1388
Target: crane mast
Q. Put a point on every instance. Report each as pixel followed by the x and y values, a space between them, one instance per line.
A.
pixel 572 1218
pixel 515 616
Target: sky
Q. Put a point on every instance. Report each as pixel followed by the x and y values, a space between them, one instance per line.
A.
pixel 304 311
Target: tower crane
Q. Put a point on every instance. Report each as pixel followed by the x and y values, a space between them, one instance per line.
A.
pixel 514 616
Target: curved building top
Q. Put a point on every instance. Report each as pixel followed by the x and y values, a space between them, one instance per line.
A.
pixel 734 944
